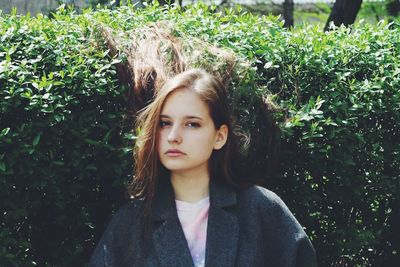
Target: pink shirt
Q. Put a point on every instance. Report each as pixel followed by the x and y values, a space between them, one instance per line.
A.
pixel 193 218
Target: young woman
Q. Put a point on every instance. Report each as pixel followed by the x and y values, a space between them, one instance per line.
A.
pixel 189 208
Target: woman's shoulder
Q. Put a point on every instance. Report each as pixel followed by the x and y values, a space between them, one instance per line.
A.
pixel 132 205
pixel 266 204
pixel 260 196
pixel 127 212
pixel 273 213
pixel 263 209
pixel 115 239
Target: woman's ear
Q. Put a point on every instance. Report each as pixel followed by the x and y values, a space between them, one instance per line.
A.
pixel 221 136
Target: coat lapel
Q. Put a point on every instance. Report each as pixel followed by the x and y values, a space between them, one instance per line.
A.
pixel 168 237
pixel 223 227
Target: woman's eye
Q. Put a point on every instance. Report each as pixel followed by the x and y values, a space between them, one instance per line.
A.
pixel 193 124
pixel 164 123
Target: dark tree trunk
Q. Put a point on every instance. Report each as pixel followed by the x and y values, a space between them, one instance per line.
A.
pixel 393 8
pixel 165 2
pixel 288 7
pixel 223 2
pixel 343 12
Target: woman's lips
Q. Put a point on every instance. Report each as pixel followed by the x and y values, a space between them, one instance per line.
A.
pixel 174 152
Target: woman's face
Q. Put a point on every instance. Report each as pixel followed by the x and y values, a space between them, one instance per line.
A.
pixel 187 134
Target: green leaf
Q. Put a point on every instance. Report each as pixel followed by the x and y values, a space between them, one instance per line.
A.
pixel 5 131
pixel 2 166
pixel 268 65
pixel 36 140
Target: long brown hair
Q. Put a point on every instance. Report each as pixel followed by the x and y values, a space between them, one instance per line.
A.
pixel 211 91
pixel 159 62
pixel 149 170
pixel 154 55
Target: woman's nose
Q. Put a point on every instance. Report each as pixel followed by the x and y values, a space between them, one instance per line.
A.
pixel 174 135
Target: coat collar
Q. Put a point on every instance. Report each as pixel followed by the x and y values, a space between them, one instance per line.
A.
pixel 222 229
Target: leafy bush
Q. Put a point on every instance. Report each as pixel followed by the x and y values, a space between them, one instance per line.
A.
pixel 65 136
pixel 61 113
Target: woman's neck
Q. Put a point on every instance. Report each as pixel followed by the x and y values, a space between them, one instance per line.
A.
pixel 189 187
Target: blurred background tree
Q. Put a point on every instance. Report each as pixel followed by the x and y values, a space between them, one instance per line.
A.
pixel 288 7
pixel 393 7
pixel 343 12
pixel 293 12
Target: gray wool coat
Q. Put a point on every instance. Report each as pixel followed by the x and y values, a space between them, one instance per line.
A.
pixel 251 227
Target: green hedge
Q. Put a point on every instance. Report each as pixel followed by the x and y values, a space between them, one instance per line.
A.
pixel 65 140
pixel 61 145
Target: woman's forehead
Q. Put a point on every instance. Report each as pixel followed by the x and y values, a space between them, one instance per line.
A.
pixel 184 103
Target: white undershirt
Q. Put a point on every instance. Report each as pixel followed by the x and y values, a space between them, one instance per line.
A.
pixel 194 218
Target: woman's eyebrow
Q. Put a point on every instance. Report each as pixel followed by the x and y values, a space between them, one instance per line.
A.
pixel 186 117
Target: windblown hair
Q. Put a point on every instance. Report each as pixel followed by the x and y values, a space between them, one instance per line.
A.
pixel 155 55
pixel 158 62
